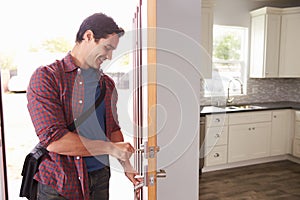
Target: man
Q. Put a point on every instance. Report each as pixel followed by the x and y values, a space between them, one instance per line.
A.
pixel 78 166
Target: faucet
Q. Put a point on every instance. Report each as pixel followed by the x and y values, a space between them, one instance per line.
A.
pixel 230 100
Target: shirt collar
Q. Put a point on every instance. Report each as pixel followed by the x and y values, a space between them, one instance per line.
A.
pixel 69 64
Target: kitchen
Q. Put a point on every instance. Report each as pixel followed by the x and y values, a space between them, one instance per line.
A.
pixel 260 126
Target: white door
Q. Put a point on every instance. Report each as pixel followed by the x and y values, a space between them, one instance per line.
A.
pixel 170 146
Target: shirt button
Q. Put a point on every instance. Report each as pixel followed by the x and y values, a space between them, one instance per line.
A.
pixel 78 157
pixel 80 83
pixel 80 101
pixel 79 178
pixel 78 69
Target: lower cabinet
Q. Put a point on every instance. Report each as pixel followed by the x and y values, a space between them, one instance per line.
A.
pixel 281 140
pixel 249 141
pixel 215 142
pixel 216 155
pixel 251 135
pixel 296 143
pixel 296 147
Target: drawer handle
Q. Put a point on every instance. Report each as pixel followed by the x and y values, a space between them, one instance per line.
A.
pixel 216 155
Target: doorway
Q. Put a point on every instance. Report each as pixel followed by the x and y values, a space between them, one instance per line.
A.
pixel 19 59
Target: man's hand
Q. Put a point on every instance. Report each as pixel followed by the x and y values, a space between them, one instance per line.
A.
pixel 131 174
pixel 122 150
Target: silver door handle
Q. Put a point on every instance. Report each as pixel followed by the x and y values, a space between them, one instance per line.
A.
pixel 138 186
pixel 161 173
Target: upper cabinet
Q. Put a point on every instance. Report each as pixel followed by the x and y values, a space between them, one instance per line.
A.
pixel 290 43
pixel 275 44
pixel 207 19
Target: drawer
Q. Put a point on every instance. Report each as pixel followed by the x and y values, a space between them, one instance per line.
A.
pixel 216 120
pixel 297 130
pixel 296 148
pixel 216 156
pixel 250 117
pixel 216 136
pixel 297 115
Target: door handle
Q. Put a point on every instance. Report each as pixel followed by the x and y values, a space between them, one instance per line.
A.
pixel 161 174
pixel 138 186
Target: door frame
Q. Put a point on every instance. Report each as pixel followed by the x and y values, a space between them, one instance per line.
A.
pixel 3 169
pixel 152 94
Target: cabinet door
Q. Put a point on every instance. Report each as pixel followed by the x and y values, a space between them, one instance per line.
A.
pixel 261 140
pixel 290 46
pixel 216 155
pixel 296 151
pixel 265 40
pixel 249 141
pixel 216 136
pixel 238 142
pixel 280 132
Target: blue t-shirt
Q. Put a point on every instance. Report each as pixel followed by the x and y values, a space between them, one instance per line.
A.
pixel 94 126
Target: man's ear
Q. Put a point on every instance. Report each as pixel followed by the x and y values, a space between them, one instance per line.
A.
pixel 88 35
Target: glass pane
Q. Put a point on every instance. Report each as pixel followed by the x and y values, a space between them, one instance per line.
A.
pixel 229 61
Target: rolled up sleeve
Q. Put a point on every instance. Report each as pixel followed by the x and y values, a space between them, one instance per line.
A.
pixel 44 106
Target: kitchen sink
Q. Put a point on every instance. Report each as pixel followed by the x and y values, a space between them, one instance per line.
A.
pixel 243 107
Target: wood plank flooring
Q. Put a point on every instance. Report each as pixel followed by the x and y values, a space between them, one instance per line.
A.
pixel 269 181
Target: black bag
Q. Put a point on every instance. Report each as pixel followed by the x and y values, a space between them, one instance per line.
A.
pixel 30 167
pixel 34 158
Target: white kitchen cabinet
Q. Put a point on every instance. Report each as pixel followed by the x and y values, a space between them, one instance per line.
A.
pixel 249 141
pixel 249 135
pixel 275 43
pixel 290 44
pixel 296 143
pixel 296 147
pixel 249 117
pixel 207 18
pixel 265 41
pixel 215 141
pixel 281 129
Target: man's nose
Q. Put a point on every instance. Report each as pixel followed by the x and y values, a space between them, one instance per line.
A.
pixel 109 55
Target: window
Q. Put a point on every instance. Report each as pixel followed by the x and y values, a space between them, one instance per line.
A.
pixel 230 46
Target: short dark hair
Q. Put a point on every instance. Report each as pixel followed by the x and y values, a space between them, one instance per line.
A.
pixel 101 25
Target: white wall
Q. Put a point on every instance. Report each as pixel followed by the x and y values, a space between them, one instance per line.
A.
pixel 178 80
pixel 236 12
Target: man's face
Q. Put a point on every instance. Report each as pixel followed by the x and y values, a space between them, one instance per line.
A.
pixel 101 50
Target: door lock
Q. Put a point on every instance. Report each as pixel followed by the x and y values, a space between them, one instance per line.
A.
pixel 149 152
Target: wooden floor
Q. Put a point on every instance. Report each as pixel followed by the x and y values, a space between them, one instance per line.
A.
pixel 270 181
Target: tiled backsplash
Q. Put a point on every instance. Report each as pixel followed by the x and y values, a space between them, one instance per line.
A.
pixel 261 90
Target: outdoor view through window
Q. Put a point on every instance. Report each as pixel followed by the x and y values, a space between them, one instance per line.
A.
pixel 229 60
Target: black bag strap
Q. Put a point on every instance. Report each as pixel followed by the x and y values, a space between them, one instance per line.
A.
pixel 82 117
pixel 88 112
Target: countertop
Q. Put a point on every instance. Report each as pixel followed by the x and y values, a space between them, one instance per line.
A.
pixel 207 110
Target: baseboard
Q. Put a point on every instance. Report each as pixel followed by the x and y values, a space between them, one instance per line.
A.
pixel 251 162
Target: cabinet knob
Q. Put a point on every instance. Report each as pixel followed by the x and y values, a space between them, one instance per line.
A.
pixel 249 129
pixel 217 135
pixel 216 155
pixel 217 120
pixel 275 116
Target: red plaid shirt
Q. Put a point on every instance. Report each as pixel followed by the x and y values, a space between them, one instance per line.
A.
pixel 55 98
